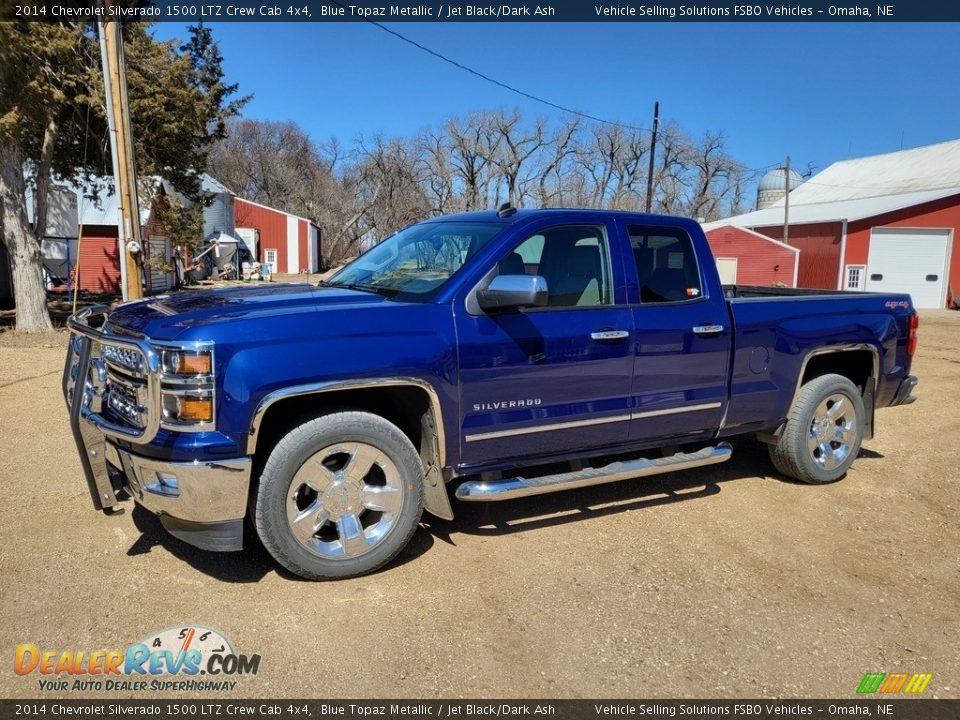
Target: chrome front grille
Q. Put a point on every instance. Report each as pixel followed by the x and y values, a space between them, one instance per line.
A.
pixel 121 385
pixel 127 399
pixel 114 380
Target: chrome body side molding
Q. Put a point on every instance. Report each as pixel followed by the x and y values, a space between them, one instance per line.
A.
pixel 676 410
pixel 545 428
pixel 593 421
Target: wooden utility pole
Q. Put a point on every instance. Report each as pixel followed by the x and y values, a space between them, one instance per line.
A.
pixel 653 150
pixel 786 202
pixel 124 170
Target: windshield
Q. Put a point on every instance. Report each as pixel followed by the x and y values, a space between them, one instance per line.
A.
pixel 417 261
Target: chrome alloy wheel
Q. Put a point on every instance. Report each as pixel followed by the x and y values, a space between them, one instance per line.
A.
pixel 833 431
pixel 344 500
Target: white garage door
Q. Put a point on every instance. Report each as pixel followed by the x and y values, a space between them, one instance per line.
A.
pixel 909 261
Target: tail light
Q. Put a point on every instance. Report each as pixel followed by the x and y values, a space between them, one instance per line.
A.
pixel 913 325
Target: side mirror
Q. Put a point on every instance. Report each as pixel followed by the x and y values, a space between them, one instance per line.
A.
pixel 508 292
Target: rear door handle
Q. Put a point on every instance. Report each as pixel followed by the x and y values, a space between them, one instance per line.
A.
pixel 707 329
pixel 606 335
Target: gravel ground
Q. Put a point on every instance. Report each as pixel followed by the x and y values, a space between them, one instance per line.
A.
pixel 721 582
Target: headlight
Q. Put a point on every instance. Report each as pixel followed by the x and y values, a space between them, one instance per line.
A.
pixel 186 362
pixel 187 388
pixel 187 409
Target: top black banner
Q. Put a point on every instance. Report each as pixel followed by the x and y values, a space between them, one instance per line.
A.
pixel 192 11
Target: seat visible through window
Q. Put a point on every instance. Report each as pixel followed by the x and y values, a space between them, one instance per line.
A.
pixel 512 264
pixel 572 260
pixel 579 282
pixel 666 264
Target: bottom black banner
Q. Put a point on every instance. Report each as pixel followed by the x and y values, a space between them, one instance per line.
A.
pixel 453 709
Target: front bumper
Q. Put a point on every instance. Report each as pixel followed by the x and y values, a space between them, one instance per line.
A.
pixel 201 502
pixel 904 394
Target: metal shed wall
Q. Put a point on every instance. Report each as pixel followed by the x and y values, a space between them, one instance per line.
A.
pixel 760 261
pixel 288 234
pixel 219 215
pixel 271 226
pixel 99 264
pixel 819 245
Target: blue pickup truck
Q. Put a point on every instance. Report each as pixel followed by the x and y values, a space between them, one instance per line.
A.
pixel 485 356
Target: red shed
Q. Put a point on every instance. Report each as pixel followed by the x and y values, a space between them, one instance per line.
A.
pixel 289 243
pixel 745 257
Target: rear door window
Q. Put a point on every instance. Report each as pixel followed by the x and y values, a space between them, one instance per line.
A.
pixel 667 269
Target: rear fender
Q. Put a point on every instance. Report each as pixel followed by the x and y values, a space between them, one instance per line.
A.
pixel 868 393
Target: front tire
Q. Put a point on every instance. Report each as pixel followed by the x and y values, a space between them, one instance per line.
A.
pixel 340 496
pixel 823 433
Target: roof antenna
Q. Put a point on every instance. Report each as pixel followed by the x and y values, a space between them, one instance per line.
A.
pixel 506 210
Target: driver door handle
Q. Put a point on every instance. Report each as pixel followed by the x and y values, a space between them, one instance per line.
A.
pixel 707 329
pixel 606 335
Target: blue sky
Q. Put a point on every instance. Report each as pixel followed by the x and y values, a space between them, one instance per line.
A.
pixel 818 92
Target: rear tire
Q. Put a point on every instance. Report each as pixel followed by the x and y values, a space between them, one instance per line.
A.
pixel 340 496
pixel 823 433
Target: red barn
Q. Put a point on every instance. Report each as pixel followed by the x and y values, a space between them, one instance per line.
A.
pixel 287 242
pixel 745 257
pixel 886 223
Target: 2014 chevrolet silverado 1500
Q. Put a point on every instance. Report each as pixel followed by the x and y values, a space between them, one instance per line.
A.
pixel 494 354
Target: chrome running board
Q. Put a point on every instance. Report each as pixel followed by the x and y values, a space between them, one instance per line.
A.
pixel 517 487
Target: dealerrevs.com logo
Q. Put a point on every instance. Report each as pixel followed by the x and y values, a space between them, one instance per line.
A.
pixel 186 658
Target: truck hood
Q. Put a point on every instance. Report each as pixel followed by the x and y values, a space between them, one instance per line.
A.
pixel 166 317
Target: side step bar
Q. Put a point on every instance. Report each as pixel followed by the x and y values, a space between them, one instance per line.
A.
pixel 517 487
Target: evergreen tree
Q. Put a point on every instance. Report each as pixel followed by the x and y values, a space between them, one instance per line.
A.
pixel 53 124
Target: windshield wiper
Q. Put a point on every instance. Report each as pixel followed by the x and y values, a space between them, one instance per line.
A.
pixel 356 286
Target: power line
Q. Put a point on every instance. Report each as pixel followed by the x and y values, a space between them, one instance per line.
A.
pixel 756 171
pixel 503 85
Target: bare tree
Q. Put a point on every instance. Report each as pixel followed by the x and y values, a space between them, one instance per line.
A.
pixel 669 177
pixel 273 163
pixel 435 168
pixel 393 196
pixel 562 146
pixel 474 141
pixel 517 146
pixel 360 194
pixel 711 169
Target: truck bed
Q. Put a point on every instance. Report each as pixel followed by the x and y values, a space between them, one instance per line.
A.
pixel 754 291
pixel 776 331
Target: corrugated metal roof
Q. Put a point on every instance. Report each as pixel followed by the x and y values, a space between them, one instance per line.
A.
pixel 719 225
pixel 276 210
pixel 837 211
pixel 104 208
pixel 210 184
pixel 868 186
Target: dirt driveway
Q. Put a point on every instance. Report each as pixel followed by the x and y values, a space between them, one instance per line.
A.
pixel 719 582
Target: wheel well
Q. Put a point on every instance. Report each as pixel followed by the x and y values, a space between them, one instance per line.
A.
pixel 404 406
pixel 409 407
pixel 856 365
